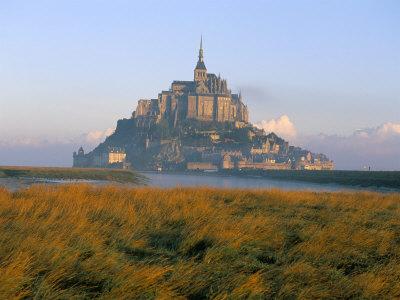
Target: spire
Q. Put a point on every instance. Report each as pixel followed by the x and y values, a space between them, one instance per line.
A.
pixel 201 49
pixel 200 62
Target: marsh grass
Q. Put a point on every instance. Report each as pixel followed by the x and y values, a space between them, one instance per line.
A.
pixel 80 241
pixel 116 175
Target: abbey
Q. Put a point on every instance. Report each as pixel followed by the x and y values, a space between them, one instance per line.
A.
pixel 197 125
pixel 205 98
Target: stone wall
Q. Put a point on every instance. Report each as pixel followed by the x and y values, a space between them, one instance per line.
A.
pixel 201 166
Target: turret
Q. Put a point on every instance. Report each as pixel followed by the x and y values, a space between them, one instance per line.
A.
pixel 81 152
pixel 200 72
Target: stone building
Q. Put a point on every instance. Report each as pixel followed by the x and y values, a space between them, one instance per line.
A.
pixel 205 98
pixel 197 124
pixel 266 165
pixel 201 166
pixel 314 165
pixel 79 159
pixel 111 158
pixel 314 162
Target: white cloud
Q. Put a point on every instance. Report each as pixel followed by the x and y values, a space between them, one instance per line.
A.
pixel 282 126
pixel 378 147
pixel 42 151
pixel 91 138
pixel 388 129
pixel 97 136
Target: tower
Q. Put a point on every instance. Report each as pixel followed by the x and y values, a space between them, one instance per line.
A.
pixel 81 152
pixel 200 72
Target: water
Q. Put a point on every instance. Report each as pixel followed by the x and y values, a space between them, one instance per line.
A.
pixel 169 180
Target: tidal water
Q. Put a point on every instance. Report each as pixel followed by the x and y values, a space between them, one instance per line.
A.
pixel 169 180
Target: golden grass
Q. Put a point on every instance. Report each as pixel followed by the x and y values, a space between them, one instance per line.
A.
pixel 80 241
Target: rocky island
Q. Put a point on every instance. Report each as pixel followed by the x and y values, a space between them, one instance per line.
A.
pixel 197 125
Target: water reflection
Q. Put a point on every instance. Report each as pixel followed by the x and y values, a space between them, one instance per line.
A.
pixel 185 180
pixel 169 180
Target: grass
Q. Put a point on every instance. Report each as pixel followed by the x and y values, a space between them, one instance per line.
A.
pixel 379 179
pixel 117 175
pixel 82 242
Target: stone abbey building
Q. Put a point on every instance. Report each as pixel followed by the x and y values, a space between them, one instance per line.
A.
pixel 196 125
pixel 205 98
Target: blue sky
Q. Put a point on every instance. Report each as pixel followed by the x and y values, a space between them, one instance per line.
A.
pixel 72 67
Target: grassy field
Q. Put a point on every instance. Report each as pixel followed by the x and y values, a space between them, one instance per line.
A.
pixel 79 241
pixel 117 175
pixel 374 179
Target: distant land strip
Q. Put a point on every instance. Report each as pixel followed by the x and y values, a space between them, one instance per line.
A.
pixel 364 179
pixel 373 179
pixel 116 175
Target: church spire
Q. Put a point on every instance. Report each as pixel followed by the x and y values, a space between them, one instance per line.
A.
pixel 200 63
pixel 201 49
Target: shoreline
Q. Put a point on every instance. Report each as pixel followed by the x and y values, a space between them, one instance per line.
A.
pixel 361 180
pixel 231 180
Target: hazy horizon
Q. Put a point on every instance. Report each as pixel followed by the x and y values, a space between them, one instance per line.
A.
pixel 324 75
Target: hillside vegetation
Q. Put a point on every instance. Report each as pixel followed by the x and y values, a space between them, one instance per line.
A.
pixel 80 241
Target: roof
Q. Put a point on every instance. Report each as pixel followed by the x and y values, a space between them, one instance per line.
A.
pixel 200 65
pixel 211 75
pixel 182 82
pixel 235 97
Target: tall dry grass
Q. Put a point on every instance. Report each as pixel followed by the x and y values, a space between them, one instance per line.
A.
pixel 80 241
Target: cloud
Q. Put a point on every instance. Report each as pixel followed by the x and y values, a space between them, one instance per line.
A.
pixel 383 131
pixel 97 136
pixel 377 147
pixel 282 126
pixel 88 139
pixel 45 151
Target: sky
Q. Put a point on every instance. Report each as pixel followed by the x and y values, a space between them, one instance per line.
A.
pixel 319 72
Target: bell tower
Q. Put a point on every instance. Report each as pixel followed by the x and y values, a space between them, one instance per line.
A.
pixel 200 72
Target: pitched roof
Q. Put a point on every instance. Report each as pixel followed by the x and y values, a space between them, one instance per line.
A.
pixel 200 65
